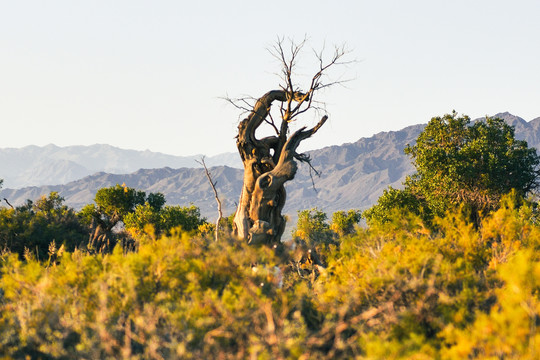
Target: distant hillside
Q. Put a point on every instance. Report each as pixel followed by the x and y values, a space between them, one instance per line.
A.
pixel 181 186
pixel 51 164
pixel 352 176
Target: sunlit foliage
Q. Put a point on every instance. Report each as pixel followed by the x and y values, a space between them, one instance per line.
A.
pixel 343 223
pixel 463 165
pixel 119 208
pixel 394 201
pixel 447 268
pixel 163 219
pixel 313 228
pixel 111 204
pixel 397 290
pixel 473 164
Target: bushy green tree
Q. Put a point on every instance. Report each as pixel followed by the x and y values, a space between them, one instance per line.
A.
pixel 315 237
pixel 32 228
pixel 459 164
pixel 313 227
pixel 111 206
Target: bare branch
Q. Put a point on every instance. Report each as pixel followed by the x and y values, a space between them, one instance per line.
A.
pixel 244 103
pixel 288 59
pixel 316 83
pixel 11 206
pixel 213 185
pixel 311 171
pixel 288 63
pixel 272 123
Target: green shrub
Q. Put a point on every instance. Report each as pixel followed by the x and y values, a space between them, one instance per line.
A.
pixel 35 229
pixel 395 290
pixel 343 223
pixel 163 220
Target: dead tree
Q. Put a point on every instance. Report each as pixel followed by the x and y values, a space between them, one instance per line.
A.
pixel 270 162
pixel 218 201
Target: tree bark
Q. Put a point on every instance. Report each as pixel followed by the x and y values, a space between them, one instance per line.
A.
pixel 268 164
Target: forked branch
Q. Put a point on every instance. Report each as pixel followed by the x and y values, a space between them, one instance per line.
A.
pixel 288 62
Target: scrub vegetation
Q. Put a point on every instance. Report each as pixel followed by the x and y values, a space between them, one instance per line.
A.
pixel 392 290
pixel 446 268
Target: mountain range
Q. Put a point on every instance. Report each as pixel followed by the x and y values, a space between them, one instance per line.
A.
pixel 352 175
pixel 51 164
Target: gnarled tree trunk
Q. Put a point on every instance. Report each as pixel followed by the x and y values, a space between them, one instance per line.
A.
pixel 268 164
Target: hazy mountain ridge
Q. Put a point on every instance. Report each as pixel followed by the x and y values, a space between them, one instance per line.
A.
pixel 353 175
pixel 51 164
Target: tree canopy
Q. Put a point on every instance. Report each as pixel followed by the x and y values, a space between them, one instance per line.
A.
pixel 134 210
pixel 110 206
pixel 462 164
pixel 31 229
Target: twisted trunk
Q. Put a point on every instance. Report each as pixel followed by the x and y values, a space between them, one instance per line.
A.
pixel 268 164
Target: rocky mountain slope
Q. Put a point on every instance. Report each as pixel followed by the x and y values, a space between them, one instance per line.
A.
pixel 353 175
pixel 51 164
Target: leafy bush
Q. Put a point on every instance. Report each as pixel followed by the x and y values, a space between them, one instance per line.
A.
pixel 163 219
pixel 175 297
pixel 396 290
pixel 34 228
pixel 395 201
pixel 343 223
pixel 120 213
pixel 312 228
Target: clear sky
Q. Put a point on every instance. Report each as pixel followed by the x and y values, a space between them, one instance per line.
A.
pixel 149 74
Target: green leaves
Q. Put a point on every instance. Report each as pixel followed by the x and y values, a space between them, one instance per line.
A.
pixel 163 219
pixel 177 297
pixel 473 164
pixel 392 290
pixel 459 164
pixel 30 229
pixel 343 223
pixel 138 213
pixel 117 201
pixel 393 202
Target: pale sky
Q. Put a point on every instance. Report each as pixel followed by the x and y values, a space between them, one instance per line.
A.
pixel 149 74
